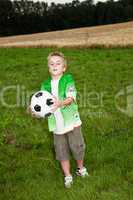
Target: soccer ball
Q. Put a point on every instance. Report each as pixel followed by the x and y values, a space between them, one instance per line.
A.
pixel 41 104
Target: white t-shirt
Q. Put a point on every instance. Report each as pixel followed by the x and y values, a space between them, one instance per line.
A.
pixel 58 115
pixel 60 127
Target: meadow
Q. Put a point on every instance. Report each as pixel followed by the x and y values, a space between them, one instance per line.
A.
pixel 28 169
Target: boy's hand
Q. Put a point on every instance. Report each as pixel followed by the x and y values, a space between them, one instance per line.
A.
pixel 29 111
pixel 56 104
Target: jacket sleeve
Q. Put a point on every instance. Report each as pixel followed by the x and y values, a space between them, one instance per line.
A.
pixel 46 85
pixel 43 86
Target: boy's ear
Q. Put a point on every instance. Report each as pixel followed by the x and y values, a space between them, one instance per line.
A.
pixel 64 69
pixel 65 66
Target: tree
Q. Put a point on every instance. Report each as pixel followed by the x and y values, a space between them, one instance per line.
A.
pixel 5 14
pixel 27 16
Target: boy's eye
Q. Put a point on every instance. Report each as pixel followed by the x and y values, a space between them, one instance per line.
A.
pixel 51 64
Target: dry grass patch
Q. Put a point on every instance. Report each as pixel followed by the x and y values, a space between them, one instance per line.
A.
pixel 116 35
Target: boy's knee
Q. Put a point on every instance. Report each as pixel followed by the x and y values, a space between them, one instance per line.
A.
pixel 77 144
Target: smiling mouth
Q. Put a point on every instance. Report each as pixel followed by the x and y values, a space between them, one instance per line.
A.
pixel 54 70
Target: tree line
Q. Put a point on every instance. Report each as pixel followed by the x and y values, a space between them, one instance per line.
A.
pixel 26 16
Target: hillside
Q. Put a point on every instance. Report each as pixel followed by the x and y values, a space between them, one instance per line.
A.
pixel 116 35
pixel 104 81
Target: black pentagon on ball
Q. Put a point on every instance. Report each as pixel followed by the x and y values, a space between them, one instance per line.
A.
pixel 39 94
pixel 48 114
pixel 49 102
pixel 37 108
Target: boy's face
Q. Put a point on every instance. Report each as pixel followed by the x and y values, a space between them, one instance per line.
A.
pixel 56 66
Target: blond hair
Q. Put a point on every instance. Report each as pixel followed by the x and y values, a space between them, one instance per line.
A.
pixel 59 54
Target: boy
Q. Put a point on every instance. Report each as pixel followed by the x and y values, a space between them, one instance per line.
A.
pixel 65 123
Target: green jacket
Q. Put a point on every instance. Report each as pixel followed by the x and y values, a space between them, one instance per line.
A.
pixel 65 88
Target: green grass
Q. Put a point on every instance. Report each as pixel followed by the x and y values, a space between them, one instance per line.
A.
pixel 28 169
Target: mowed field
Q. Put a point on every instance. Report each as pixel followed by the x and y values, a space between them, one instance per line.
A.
pixel 104 81
pixel 116 35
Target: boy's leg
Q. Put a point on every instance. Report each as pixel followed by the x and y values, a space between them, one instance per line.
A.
pixel 77 146
pixel 80 164
pixel 68 179
pixel 65 165
pixel 62 152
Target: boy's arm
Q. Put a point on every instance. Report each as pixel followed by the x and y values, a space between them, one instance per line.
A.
pixel 59 103
pixel 67 101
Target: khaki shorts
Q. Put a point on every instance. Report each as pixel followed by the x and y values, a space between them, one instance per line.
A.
pixel 71 141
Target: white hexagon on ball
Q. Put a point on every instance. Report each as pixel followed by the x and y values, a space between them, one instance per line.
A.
pixel 42 104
